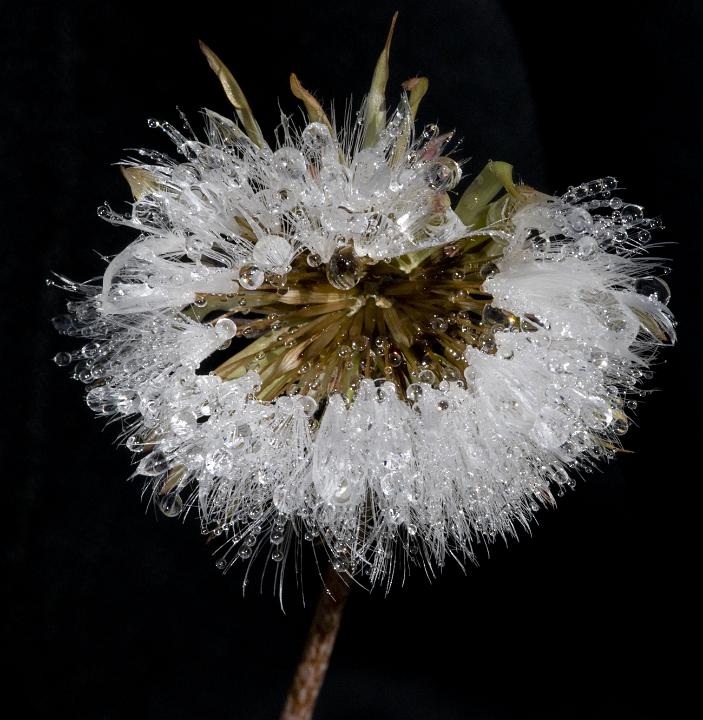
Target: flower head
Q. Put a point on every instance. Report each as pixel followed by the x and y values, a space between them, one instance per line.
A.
pixel 311 342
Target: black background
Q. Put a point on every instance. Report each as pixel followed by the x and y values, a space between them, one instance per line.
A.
pixel 116 613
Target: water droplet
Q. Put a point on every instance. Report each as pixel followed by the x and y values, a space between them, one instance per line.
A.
pixel 385 390
pixel 279 281
pixel 244 552
pixel 277 535
pixel 430 131
pixel 487 345
pixel 599 359
pixel 62 323
pixel 427 376
pixel 171 504
pixel 586 246
pixel 62 359
pixel 314 260
pixel 395 358
pixel 105 212
pixel 413 392
pixel 280 498
pixel 221 564
pixel 155 463
pixel 495 316
pixel 360 344
pixel 90 350
pixel 619 424
pixel 225 328
pixel 107 401
pixel 343 493
pixel 443 174
pixel 308 404
pixel 289 163
pixel 316 138
pixel 277 555
pixel 442 405
pixel 134 443
pixel 344 269
pixel 654 288
pixel 251 277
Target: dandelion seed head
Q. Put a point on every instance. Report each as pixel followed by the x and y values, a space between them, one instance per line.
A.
pixel 316 342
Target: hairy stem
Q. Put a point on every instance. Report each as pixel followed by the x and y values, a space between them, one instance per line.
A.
pixel 312 667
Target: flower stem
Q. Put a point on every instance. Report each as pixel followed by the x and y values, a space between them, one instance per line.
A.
pixel 312 667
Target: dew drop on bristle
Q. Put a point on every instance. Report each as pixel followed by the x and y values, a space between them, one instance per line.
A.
pixel 62 323
pixel 316 139
pixel 443 174
pixel 495 316
pixel 251 277
pixel 308 404
pixel 654 288
pixel 225 328
pixel 62 359
pixel 428 377
pixel 155 463
pixel 171 504
pixel 344 269
pixel 289 163
pixel 413 392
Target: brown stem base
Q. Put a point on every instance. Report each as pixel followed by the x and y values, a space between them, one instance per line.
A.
pixel 312 667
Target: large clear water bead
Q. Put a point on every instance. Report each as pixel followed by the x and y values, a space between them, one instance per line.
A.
pixel 443 174
pixel 171 504
pixel 225 328
pixel 155 463
pixel 344 269
pixel 316 139
pixel 107 401
pixel 654 288
pixel 289 163
pixel 251 277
